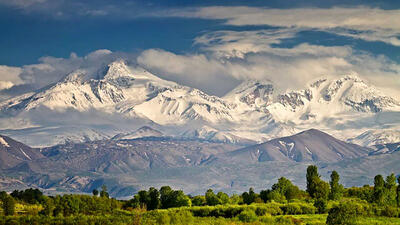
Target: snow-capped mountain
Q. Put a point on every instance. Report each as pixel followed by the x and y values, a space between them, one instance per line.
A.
pixel 144 131
pixel 120 98
pixel 377 137
pixel 307 146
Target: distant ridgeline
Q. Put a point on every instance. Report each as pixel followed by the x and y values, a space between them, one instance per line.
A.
pixel 283 203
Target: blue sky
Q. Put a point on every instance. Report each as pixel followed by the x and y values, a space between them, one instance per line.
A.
pixel 332 37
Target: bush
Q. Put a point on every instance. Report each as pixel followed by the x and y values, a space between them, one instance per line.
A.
pixel 321 205
pixel 343 214
pixel 307 209
pixel 247 216
pixel 390 211
pixel 291 209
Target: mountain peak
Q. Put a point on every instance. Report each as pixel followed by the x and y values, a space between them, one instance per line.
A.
pixel 254 93
pixel 116 69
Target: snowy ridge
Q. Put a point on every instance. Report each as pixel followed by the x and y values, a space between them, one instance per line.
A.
pixel 253 111
pixel 3 142
pixel 377 137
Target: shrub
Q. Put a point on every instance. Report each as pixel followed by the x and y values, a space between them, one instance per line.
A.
pixel 321 205
pixel 307 209
pixel 291 209
pixel 390 211
pixel 247 216
pixel 343 214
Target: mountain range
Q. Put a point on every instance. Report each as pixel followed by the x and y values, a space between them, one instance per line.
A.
pixel 119 98
pixel 123 126
pixel 128 165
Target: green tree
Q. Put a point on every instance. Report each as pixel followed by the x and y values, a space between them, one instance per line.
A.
pixel 154 199
pixel 391 193
pixel 336 188
pixel 343 214
pixel 132 203
pixel 286 188
pixel 247 216
pixel 211 198
pixel 223 197
pixel 95 192
pixel 48 206
pixel 103 192
pixel 312 177
pixel 321 189
pixel 8 205
pixel 249 197
pixel 379 190
pixel 398 192
pixel 321 205
pixel 166 197
pixel 180 199
pixel 144 198
pixel 199 201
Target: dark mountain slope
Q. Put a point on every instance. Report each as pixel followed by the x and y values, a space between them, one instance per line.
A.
pixel 307 146
pixel 13 153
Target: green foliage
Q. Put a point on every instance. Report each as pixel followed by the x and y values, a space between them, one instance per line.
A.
pixel 337 189
pixel 199 201
pixel 236 199
pixel 48 206
pixel 95 192
pixel 224 198
pixel 103 192
pixel 249 197
pixel 153 199
pixel 311 177
pixel 8 205
pixel 286 188
pixel 247 216
pixel 31 196
pixel 343 214
pixel 284 204
pixel 211 198
pixel 364 193
pixel 379 190
pixel 321 205
pixel 390 193
pixel 398 192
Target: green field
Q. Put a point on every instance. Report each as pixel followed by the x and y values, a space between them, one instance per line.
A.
pixel 283 204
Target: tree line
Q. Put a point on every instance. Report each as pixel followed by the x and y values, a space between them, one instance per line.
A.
pixel 385 193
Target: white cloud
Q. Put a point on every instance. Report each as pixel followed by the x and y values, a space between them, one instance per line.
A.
pixel 197 71
pixel 360 18
pixel 5 85
pixel 10 74
pixel 22 3
pixel 243 55
pixel 370 24
pixel 49 70
pixel 219 75
pixel 238 43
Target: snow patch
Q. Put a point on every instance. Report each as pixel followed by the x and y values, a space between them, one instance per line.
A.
pixel 4 142
pixel 26 155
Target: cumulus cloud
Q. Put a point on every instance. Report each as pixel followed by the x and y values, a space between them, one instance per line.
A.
pixel 197 71
pixel 49 70
pixel 370 24
pixel 231 56
pixel 219 75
